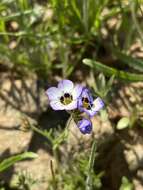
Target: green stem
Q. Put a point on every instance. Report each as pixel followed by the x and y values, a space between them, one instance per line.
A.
pixel 53 175
pixel 40 132
pixel 69 121
pixel 90 167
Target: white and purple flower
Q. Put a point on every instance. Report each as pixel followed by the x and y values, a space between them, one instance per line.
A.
pixel 88 105
pixel 85 126
pixel 65 96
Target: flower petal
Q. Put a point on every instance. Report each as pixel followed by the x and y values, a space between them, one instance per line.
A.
pixel 90 112
pixel 71 106
pixel 65 85
pixel 53 93
pixel 57 105
pixel 80 104
pixel 86 94
pixel 77 91
pixel 98 104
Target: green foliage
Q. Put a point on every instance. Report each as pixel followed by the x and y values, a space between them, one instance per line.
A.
pixel 75 170
pixel 135 119
pixel 12 160
pixel 55 138
pixel 23 181
pixel 92 180
pixel 101 85
pixel 126 184
pixel 81 16
pixel 57 35
pixel 126 59
pixel 112 71
pixel 77 173
pixel 123 123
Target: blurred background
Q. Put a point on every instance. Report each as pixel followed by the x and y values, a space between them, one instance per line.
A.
pixel 98 43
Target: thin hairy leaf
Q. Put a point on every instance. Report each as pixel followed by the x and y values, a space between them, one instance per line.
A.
pixel 13 159
pixel 112 71
pixel 132 62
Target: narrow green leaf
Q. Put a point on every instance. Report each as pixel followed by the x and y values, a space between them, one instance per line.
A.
pixel 18 14
pixel 112 71
pixel 13 159
pixel 126 59
pixel 75 9
pixel 110 82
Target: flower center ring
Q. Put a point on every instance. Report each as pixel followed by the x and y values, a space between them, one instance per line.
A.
pixel 66 99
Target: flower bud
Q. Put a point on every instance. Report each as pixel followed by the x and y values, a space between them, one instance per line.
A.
pixel 85 126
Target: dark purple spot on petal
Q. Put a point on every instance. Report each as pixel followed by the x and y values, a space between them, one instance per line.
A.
pixel 86 100
pixel 62 99
pixel 67 95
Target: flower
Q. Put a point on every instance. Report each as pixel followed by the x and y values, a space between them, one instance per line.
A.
pixel 85 126
pixel 65 96
pixel 88 105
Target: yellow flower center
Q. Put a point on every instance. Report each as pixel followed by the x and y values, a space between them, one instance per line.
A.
pixel 66 99
pixel 85 103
